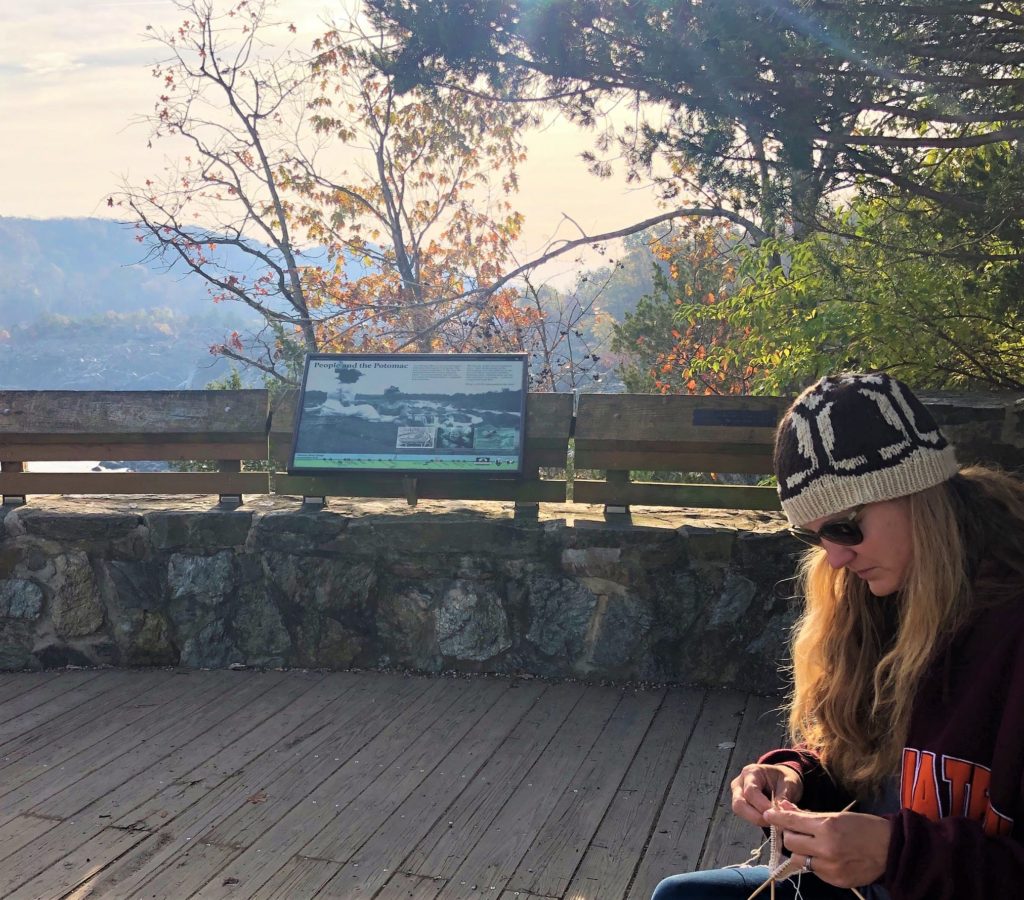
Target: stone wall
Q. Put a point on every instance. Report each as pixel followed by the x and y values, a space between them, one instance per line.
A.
pixel 984 428
pixel 459 591
pixel 466 590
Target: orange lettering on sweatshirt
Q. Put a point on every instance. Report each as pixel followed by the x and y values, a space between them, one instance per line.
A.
pixel 947 786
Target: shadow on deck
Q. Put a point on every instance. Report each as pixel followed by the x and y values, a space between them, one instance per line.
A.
pixel 175 784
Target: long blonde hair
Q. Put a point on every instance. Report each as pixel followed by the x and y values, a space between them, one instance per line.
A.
pixel 858 659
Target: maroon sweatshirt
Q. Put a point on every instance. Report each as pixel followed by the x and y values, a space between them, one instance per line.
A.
pixel 959 832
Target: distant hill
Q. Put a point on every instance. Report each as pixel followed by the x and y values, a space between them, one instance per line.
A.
pixel 83 267
pixel 82 310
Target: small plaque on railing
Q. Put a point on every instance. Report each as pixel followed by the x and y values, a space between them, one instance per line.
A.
pixel 411 413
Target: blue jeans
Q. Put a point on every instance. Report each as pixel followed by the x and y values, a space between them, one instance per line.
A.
pixel 740 882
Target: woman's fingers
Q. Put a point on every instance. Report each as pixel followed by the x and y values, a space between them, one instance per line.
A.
pixel 848 849
pixel 791 784
pixel 755 787
pixel 747 795
pixel 786 816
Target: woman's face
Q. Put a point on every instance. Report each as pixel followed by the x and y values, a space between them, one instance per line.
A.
pixel 883 558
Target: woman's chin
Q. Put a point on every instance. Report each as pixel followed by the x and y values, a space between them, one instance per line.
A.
pixel 881 585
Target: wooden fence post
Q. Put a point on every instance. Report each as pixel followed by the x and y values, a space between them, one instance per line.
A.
pixel 7 465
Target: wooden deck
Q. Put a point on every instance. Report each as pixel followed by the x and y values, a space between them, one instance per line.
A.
pixel 175 784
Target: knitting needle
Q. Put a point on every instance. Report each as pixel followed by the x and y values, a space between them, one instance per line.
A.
pixel 847 808
pixel 770 883
pixel 775 805
pixel 761 888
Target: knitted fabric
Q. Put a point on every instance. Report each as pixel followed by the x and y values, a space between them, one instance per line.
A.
pixel 854 439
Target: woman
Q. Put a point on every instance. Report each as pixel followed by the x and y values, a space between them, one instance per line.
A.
pixel 908 664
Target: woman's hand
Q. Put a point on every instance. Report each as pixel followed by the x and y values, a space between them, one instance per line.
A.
pixel 756 785
pixel 846 849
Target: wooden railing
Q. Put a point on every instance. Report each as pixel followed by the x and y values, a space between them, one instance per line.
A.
pixel 625 433
pixel 617 433
pixel 224 427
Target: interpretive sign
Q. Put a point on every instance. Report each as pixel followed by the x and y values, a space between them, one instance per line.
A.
pixel 408 412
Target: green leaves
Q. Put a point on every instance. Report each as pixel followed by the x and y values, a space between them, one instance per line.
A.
pixel 895 286
pixel 899 284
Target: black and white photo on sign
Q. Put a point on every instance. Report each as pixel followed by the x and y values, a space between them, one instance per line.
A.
pixel 410 437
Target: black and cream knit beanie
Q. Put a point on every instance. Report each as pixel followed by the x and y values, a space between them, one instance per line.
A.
pixel 853 439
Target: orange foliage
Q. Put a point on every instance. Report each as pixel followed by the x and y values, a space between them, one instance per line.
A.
pixel 702 270
pixel 400 253
pixel 411 250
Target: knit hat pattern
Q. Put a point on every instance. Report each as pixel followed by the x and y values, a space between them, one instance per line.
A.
pixel 853 439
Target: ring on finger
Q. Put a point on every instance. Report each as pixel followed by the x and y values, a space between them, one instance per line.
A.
pixel 807 865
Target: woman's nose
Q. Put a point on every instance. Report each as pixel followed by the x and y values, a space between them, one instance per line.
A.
pixel 838 556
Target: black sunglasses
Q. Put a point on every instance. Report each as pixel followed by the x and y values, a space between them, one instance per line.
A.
pixel 844 531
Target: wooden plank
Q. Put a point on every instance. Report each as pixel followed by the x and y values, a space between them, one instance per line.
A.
pixel 457 486
pixel 278 797
pixel 704 496
pixel 158 447
pixel 653 418
pixel 227 779
pixel 29 787
pixel 752 460
pixel 101 884
pixel 494 857
pixel 296 721
pixel 376 848
pixel 94 744
pixel 676 433
pixel 116 415
pixel 170 855
pixel 281 424
pixel 190 869
pixel 37 855
pixel 679 834
pixel 49 746
pixel 443 849
pixel 429 733
pixel 549 421
pixel 464 740
pixel 192 729
pixel 46 852
pixel 122 687
pixel 336 733
pixel 754 443
pixel 21 831
pixel 134 483
pixel 181 765
pixel 70 868
pixel 13 684
pixel 553 857
pixel 730 839
pixel 404 886
pixel 300 878
pixel 614 853
pixel 282 411
pixel 522 895
pixel 341 782
pixel 46 694
pixel 66 703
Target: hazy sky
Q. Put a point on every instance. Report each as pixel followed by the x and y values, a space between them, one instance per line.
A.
pixel 75 79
